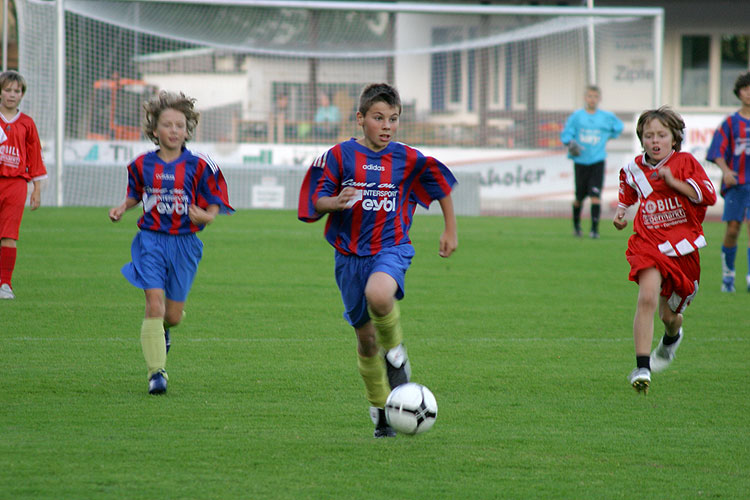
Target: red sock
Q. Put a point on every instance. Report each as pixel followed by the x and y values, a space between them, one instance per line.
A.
pixel 7 263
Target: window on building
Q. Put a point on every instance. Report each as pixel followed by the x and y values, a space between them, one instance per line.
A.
pixel 734 60
pixel 446 70
pixel 695 72
pixel 710 65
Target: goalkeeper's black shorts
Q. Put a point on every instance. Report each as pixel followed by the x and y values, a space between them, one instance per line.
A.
pixel 589 179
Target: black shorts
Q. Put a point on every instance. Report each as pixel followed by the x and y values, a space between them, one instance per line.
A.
pixel 589 180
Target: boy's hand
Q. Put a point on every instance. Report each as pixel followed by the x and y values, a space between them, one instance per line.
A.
pixel 448 244
pixel 346 198
pixel 200 217
pixel 115 213
pixel 619 220
pixel 573 148
pixel 730 178
pixel 36 199
pixel 666 174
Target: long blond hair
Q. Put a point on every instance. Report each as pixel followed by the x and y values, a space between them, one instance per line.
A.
pixel 169 100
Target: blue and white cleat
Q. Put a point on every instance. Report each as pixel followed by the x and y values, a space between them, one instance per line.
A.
pixel 727 284
pixel 157 384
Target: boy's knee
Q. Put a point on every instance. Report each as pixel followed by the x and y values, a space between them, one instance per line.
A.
pixel 380 303
pixel 648 301
pixel 172 319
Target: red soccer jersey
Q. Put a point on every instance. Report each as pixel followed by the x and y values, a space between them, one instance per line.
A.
pixel 20 149
pixel 667 219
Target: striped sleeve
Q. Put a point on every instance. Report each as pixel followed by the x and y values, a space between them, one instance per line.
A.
pixel 310 190
pixel 435 182
pixel 212 187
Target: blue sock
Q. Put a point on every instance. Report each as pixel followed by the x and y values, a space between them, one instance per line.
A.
pixel 727 261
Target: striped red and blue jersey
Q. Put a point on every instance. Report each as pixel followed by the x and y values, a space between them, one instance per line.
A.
pixel 390 183
pixel 168 189
pixel 731 141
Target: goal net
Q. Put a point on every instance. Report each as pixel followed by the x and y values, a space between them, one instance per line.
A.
pixel 486 89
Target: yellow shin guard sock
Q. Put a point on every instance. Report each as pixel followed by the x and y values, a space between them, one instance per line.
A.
pixel 376 383
pixel 388 327
pixel 152 343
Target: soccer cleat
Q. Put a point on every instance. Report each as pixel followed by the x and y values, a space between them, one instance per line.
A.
pixel 6 292
pixel 747 281
pixel 594 235
pixel 382 429
pixel 663 355
pixel 157 384
pixel 727 284
pixel 577 232
pixel 167 340
pixel 640 378
pixel 397 365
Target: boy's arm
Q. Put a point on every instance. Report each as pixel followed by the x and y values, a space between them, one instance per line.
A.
pixel 729 176
pixel 449 238
pixel 681 187
pixel 200 216
pixel 115 213
pixel 569 131
pixel 626 197
pixel 326 204
pixel 36 195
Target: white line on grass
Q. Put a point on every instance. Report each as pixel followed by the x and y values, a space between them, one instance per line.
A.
pixel 499 340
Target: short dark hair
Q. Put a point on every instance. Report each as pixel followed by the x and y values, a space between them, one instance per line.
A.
pixel 594 88
pixel 742 81
pixel 378 92
pixel 669 118
pixel 13 76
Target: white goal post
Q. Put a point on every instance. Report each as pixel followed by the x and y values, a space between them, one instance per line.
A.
pixel 479 83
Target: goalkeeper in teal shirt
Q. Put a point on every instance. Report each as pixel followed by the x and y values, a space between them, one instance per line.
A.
pixel 586 134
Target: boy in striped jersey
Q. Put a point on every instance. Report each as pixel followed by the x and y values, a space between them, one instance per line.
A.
pixel 730 150
pixel 370 187
pixel 181 192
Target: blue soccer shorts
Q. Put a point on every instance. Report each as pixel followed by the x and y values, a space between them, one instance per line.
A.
pixel 352 273
pixel 737 203
pixel 164 261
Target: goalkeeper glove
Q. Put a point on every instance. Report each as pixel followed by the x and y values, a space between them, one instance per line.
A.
pixel 573 148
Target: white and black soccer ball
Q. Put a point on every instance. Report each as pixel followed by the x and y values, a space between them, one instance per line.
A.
pixel 411 408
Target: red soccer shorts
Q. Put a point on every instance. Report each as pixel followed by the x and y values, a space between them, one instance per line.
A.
pixel 680 275
pixel 13 193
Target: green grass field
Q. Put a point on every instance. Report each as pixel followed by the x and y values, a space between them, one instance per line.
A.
pixel 524 336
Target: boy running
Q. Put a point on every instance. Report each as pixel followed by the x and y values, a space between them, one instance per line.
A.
pixel 730 150
pixel 370 188
pixel 674 192
pixel 181 192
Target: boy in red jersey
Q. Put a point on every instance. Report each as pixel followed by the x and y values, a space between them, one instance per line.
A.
pixel 370 188
pixel 20 163
pixel 181 192
pixel 674 192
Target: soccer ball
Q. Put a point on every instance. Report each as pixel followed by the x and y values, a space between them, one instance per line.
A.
pixel 411 408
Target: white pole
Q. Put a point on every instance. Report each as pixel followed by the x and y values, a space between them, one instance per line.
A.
pixel 5 35
pixel 658 56
pixel 60 87
pixel 591 46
